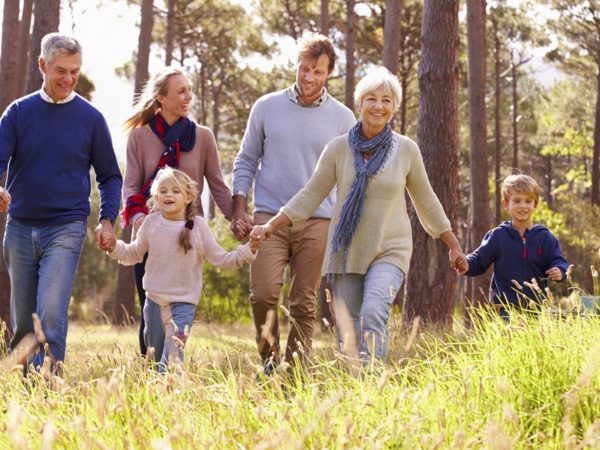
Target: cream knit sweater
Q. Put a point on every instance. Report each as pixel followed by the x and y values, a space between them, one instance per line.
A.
pixel 383 233
pixel 171 274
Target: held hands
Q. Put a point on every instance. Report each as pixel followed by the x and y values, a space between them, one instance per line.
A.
pixel 259 234
pixel 5 199
pixel 241 223
pixel 554 274
pixel 105 236
pixel 458 261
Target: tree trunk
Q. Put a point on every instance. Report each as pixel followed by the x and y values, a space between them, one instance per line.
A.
pixel 8 70
pixel 515 115
pixel 144 41
pixel 392 35
pixel 403 103
pixel 595 194
pixel 46 17
pixel 431 283
pixel 478 155
pixel 170 35
pixel 325 17
pixel 497 123
pixel 4 280
pixel 24 33
pixel 124 308
pixel 125 296
pixel 9 57
pixel 350 59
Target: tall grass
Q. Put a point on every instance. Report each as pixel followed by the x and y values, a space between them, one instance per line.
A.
pixel 531 383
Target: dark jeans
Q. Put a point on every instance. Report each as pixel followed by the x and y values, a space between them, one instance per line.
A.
pixel 139 271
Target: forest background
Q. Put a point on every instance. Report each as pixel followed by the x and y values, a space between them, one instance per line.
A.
pixel 473 97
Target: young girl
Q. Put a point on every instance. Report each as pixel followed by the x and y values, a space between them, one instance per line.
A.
pixel 177 242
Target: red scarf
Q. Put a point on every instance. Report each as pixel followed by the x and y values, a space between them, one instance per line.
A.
pixel 179 137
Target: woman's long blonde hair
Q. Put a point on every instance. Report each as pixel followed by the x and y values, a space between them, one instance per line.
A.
pixel 146 104
pixel 188 187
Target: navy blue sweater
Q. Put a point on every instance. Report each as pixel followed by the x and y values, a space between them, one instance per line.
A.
pixel 517 259
pixel 49 149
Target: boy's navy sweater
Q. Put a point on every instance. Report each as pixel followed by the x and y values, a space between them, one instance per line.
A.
pixel 49 149
pixel 516 259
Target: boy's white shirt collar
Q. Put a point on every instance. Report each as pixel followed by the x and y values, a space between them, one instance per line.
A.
pixel 47 98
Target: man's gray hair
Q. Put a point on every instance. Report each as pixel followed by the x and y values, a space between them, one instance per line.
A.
pixel 54 43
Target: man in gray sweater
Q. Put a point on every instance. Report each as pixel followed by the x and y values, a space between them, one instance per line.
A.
pixel 285 136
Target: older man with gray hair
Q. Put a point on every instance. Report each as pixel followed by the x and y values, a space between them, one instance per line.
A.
pixel 49 140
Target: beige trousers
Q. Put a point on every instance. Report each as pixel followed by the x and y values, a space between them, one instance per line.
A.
pixel 303 247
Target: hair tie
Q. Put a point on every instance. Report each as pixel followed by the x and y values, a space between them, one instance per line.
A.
pixel 189 224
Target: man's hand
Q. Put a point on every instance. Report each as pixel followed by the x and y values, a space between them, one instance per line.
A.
pixel 241 223
pixel 105 236
pixel 5 199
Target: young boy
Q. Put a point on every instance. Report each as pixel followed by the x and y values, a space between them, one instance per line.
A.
pixel 518 249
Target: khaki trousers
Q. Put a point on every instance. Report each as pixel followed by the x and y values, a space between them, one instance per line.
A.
pixel 303 247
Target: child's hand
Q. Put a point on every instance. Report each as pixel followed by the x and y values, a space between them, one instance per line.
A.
pixel 254 245
pixel 554 274
pixel 260 233
pixel 458 261
pixel 109 241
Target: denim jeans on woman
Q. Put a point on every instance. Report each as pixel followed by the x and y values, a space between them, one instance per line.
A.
pixel 362 309
pixel 166 330
pixel 41 262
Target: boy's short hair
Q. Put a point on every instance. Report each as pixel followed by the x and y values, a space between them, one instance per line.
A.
pixel 522 184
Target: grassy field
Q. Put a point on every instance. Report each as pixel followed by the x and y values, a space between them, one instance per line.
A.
pixel 531 384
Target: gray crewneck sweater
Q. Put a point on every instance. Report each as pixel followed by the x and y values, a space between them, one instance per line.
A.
pixel 281 146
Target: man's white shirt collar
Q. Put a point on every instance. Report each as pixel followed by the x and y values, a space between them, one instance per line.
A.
pixel 47 98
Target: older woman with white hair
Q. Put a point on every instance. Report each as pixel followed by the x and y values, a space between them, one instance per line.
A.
pixel 370 239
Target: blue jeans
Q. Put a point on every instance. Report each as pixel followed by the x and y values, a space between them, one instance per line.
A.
pixel 41 265
pixel 362 309
pixel 166 330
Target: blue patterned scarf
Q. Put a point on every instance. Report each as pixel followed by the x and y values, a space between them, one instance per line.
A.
pixel 353 207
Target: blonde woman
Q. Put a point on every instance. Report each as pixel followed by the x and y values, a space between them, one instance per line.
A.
pixel 161 134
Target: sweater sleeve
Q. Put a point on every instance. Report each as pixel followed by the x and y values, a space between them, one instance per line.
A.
pixel 133 253
pixel 429 209
pixel 134 171
pixel 108 174
pixel 219 257
pixel 557 258
pixel 246 162
pixel 214 176
pixel 134 167
pixel 8 137
pixel 307 200
pixel 482 258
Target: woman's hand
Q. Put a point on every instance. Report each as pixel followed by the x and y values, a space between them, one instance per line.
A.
pixel 138 223
pixel 458 261
pixel 260 233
